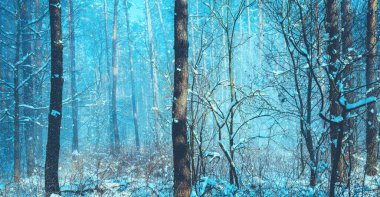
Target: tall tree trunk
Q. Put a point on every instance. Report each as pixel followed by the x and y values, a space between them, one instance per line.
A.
pixel 3 103
pixel 167 49
pixel 371 124
pixel 192 101
pixel 74 103
pixel 261 32
pixel 348 83
pixel 230 50
pixel 179 129
pixel 16 134
pixel 55 109
pixel 28 87
pixel 114 80
pixel 130 53
pixel 333 51
pixel 109 74
pixel 38 84
pixel 249 53
pixel 153 63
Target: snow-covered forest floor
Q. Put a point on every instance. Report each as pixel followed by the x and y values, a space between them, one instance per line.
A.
pixel 150 174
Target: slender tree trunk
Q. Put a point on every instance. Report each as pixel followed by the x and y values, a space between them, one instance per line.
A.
pixel 371 124
pixel 162 23
pixel 308 127
pixel 98 82
pixel 3 103
pixel 249 53
pixel 309 137
pixel 261 32
pixel 152 59
pixel 28 87
pixel 109 76
pixel 230 47
pixel 114 81
pixel 16 135
pixel 224 52
pixel 181 156
pixel 192 101
pixel 38 84
pixel 74 103
pixel 55 109
pixel 130 53
pixel 242 60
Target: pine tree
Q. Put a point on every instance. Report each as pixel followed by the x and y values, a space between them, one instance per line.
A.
pixel 181 155
pixel 55 109
pixel 371 122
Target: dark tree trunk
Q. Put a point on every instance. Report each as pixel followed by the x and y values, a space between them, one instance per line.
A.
pixel 333 51
pixel 371 124
pixel 28 88
pixel 74 103
pixel 308 137
pixel 130 52
pixel 55 109
pixel 179 129
pixel 348 83
pixel 114 80
pixel 16 134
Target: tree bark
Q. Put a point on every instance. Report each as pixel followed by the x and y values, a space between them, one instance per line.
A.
pixel 38 85
pixel 153 63
pixel 114 80
pixel 348 83
pixel 230 32
pixel 55 109
pixel 167 52
pixel 371 123
pixel 109 76
pixel 261 32
pixel 333 51
pixel 28 87
pixel 132 79
pixel 16 134
pixel 74 103
pixel 181 156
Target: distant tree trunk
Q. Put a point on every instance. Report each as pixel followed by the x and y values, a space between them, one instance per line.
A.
pixel 98 81
pixel 333 51
pixel 152 59
pixel 109 76
pixel 55 109
pixel 130 53
pixel 3 103
pixel 114 81
pixel 249 32
pixel 167 49
pixel 38 84
pixel 181 156
pixel 28 87
pixel 16 142
pixel 261 32
pixel 371 123
pixel 74 103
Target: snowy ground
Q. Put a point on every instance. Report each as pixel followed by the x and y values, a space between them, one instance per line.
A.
pixel 151 175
